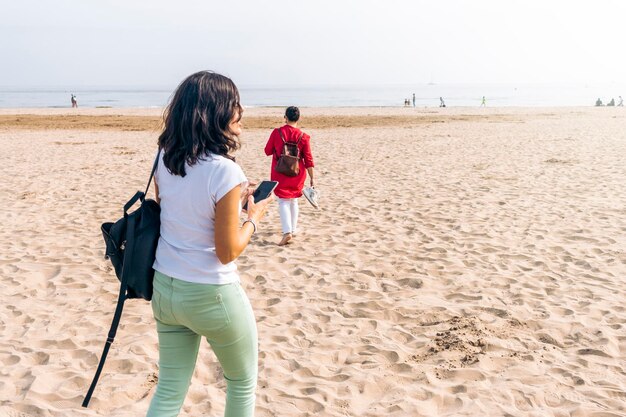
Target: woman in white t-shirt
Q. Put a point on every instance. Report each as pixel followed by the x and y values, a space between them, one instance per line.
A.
pixel 196 286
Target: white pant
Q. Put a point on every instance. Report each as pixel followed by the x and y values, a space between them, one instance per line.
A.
pixel 288 209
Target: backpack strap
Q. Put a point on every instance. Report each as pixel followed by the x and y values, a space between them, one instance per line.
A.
pixel 154 167
pixel 298 145
pixel 281 135
pixel 114 324
pixel 280 132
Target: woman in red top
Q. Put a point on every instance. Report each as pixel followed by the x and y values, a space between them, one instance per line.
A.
pixel 290 188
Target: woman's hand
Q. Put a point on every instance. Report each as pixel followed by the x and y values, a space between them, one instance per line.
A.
pixel 247 192
pixel 257 211
pixel 230 237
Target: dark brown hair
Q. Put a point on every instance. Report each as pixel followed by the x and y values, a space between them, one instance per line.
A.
pixel 196 121
pixel 292 113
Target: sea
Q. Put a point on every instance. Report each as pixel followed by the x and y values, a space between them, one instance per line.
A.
pixel 426 95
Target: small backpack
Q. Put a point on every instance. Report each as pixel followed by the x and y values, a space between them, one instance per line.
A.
pixel 131 244
pixel 288 162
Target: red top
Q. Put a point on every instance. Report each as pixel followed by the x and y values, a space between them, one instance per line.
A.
pixel 289 187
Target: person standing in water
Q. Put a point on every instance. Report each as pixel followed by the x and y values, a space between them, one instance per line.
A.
pixel 483 102
pixel 74 102
pixel 289 189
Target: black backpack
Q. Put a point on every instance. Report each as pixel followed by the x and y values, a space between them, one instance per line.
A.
pixel 131 246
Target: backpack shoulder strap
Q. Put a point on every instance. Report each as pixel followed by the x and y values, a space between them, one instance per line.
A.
pixel 154 167
pixel 274 151
pixel 280 131
pixel 298 144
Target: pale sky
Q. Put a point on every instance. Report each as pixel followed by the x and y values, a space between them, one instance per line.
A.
pixel 159 42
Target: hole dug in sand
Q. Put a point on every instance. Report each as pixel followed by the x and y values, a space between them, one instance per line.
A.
pixel 458 344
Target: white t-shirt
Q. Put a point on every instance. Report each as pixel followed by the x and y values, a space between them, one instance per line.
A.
pixel 186 248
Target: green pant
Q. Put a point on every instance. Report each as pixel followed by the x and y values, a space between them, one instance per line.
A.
pixel 186 311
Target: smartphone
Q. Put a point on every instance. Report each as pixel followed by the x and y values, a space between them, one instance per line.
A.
pixel 262 192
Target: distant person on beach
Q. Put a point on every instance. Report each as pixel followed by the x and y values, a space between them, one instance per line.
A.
pixel 74 102
pixel 599 102
pixel 197 291
pixel 621 102
pixel 289 189
pixel 483 102
pixel 413 99
pixel 441 102
pixel 611 103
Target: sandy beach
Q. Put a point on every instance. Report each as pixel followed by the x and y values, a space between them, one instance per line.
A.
pixel 465 262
